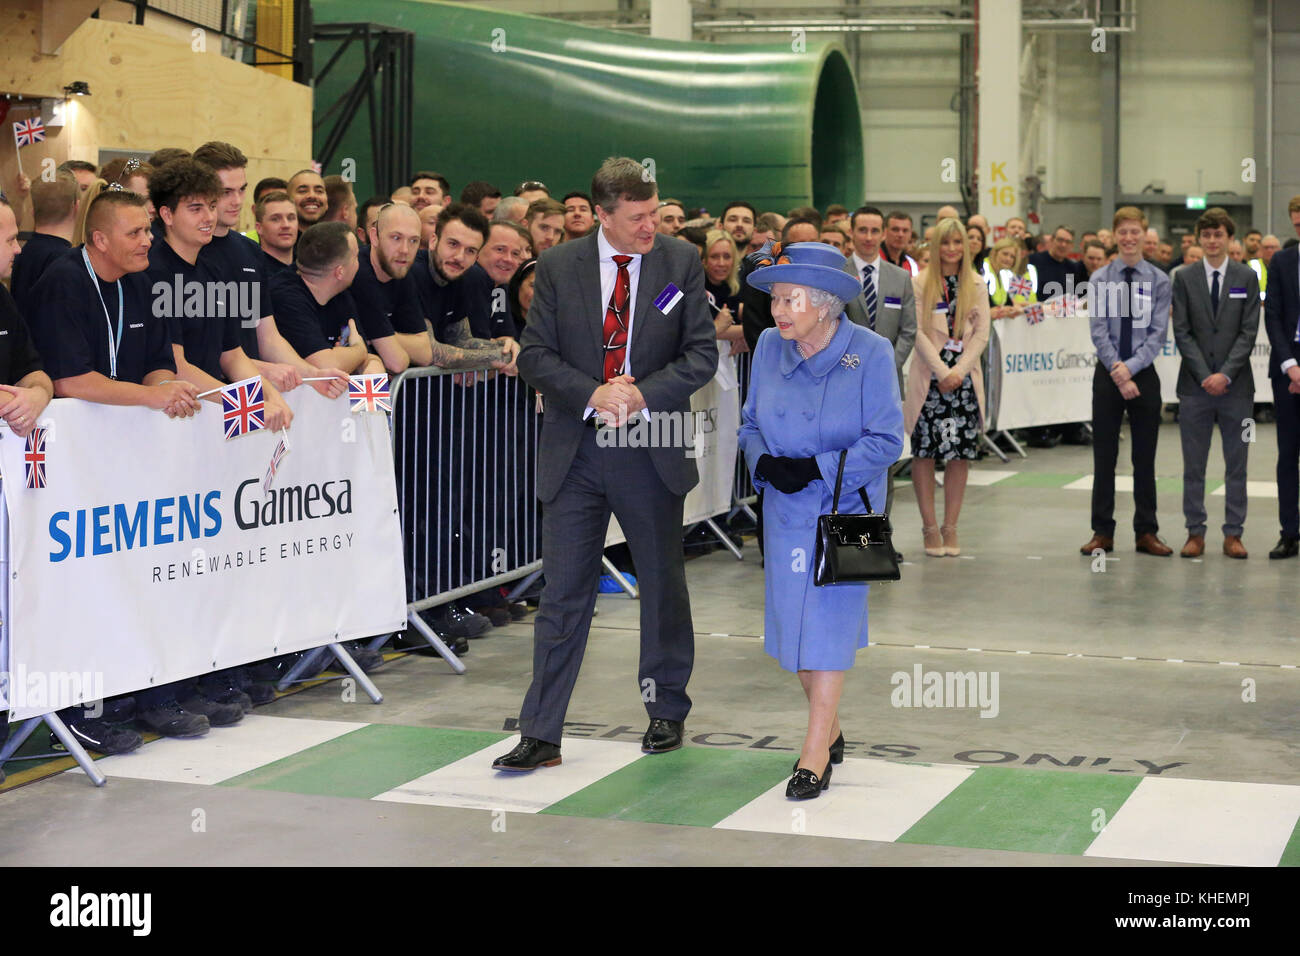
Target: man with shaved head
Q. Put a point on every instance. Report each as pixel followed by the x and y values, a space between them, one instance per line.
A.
pixel 81 302
pixel 388 306
pixel 307 190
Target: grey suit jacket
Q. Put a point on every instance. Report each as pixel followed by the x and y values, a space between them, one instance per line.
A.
pixel 1213 341
pixel 896 324
pixel 672 355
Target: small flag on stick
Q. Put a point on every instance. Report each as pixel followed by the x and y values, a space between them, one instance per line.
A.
pixel 29 131
pixel 369 393
pixel 34 458
pixel 1034 313
pixel 244 407
pixel 1020 285
pixel 281 449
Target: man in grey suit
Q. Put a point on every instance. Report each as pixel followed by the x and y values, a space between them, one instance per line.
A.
pixel 1215 319
pixel 887 304
pixel 619 326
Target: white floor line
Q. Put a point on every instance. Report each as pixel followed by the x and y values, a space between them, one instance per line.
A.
pixel 1202 821
pixel 224 752
pixel 472 783
pixel 866 800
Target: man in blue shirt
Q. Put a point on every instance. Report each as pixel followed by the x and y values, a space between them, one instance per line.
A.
pixel 1129 304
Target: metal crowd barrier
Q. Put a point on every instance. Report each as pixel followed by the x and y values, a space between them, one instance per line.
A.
pixel 465 460
pixel 743 493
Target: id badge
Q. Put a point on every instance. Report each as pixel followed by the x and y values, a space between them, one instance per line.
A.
pixel 955 345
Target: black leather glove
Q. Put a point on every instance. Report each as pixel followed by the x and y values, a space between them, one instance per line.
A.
pixel 787 475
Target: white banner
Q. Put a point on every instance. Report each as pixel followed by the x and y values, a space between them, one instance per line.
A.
pixel 1170 360
pixel 716 423
pixel 1043 372
pixel 153 553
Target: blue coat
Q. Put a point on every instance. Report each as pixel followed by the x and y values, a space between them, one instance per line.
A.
pixel 818 407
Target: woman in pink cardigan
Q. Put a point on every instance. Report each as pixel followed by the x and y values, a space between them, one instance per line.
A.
pixel 944 407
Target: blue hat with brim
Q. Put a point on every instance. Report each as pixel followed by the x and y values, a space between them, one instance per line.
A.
pixel 814 265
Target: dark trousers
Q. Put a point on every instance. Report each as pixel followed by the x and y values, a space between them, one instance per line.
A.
pixel 1287 409
pixel 622 481
pixel 1108 410
pixel 1198 413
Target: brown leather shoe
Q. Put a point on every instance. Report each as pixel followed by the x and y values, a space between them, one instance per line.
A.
pixel 1233 547
pixel 1098 541
pixel 1148 543
pixel 1195 546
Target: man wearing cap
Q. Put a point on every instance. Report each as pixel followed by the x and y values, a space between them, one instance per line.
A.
pixel 821 387
pixel 619 326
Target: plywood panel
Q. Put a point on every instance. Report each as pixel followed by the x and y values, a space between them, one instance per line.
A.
pixel 149 90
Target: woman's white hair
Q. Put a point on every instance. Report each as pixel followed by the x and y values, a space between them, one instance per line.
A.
pixel 821 299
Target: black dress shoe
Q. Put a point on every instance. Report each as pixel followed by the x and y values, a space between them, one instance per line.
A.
pixel 662 736
pixel 1286 548
pixel 805 785
pixel 529 754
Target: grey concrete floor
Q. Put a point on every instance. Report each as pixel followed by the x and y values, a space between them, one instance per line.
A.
pixel 1021 602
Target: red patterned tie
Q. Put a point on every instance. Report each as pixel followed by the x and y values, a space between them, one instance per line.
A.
pixel 616 320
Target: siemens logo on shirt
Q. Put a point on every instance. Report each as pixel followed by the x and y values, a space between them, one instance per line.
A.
pixel 125 526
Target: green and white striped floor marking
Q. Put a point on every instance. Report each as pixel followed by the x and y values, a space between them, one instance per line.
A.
pixel 1164 819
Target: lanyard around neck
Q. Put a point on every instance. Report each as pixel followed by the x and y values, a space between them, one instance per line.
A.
pixel 114 341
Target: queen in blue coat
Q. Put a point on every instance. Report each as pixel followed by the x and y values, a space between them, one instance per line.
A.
pixel 819 384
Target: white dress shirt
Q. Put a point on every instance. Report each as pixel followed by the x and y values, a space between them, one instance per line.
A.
pixel 608 276
pixel 1223 288
pixel 859 263
pixel 1223 273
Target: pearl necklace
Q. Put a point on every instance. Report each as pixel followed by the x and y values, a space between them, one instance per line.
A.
pixel 830 332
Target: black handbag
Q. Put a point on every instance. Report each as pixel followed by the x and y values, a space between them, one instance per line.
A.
pixel 853 549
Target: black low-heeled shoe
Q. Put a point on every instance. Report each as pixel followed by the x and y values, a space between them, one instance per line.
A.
pixel 805 785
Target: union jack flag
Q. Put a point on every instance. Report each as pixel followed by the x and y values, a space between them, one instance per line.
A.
pixel 34 458
pixel 281 449
pixel 244 407
pixel 31 131
pixel 1034 313
pixel 1020 285
pixel 369 393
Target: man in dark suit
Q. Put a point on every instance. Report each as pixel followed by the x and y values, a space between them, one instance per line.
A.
pixel 619 326
pixel 1282 320
pixel 1216 319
